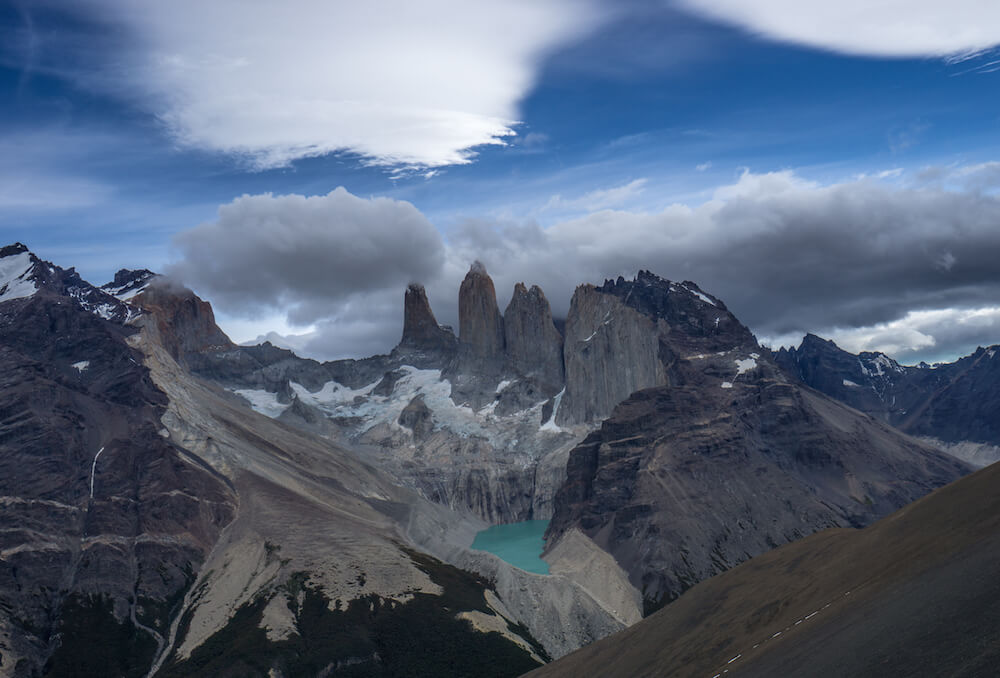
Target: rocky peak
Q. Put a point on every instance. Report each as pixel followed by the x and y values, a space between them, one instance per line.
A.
pixel 22 275
pixel 11 250
pixel 420 328
pixel 686 308
pixel 533 344
pixel 128 283
pixel 186 322
pixel 480 326
pixel 17 272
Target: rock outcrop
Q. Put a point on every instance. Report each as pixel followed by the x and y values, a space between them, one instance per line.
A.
pixel 480 325
pixel 421 331
pixel 186 322
pixel 533 344
pixel 628 334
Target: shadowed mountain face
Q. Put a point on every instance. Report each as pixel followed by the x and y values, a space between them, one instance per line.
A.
pixel 957 403
pixel 106 522
pixel 915 594
pixel 728 459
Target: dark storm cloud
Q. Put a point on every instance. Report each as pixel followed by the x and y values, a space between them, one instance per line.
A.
pixel 309 257
pixel 859 260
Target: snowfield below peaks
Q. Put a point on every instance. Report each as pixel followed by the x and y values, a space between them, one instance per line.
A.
pixel 368 409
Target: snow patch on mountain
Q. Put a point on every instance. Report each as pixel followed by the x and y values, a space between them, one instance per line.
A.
pixel 338 401
pixel 15 277
pixel 745 365
pixel 262 401
pixel 701 296
pixel 551 426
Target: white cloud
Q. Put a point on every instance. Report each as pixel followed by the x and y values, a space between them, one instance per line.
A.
pixel 398 82
pixel 703 166
pixel 883 28
pixel 919 332
pixel 599 199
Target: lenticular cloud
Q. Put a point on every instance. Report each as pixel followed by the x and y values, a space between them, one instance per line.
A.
pixel 274 82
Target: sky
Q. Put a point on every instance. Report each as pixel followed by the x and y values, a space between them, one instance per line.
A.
pixel 821 167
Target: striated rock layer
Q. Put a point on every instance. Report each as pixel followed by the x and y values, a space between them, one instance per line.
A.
pixel 106 522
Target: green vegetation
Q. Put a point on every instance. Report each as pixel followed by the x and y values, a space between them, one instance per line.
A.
pixel 371 636
pixel 157 614
pixel 93 643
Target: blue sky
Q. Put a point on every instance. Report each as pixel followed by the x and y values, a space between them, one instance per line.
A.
pixel 560 142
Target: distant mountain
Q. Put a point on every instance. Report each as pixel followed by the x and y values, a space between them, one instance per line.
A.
pixel 25 276
pixel 915 594
pixel 957 404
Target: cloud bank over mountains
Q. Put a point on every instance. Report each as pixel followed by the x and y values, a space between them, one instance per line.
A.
pixel 906 267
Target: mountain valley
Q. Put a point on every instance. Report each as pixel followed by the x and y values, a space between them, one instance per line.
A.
pixel 195 507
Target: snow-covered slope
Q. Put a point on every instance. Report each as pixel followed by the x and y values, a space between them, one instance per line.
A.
pixel 16 281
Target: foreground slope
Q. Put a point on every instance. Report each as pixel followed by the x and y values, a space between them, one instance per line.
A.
pixel 915 594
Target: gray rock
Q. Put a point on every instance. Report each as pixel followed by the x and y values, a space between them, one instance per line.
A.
pixel 685 481
pixel 533 344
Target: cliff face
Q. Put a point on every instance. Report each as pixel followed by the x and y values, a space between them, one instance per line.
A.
pixel 611 351
pixel 107 522
pixel 533 344
pixel 186 322
pixel 627 335
pixel 421 331
pixel 480 325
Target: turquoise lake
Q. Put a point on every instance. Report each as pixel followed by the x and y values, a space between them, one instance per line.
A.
pixel 520 544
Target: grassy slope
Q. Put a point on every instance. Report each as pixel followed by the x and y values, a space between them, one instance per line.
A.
pixel 924 600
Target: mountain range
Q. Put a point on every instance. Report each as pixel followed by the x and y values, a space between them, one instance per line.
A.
pixel 193 507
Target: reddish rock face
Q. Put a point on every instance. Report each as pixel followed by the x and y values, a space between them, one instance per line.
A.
pixel 480 326
pixel 420 328
pixel 186 322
